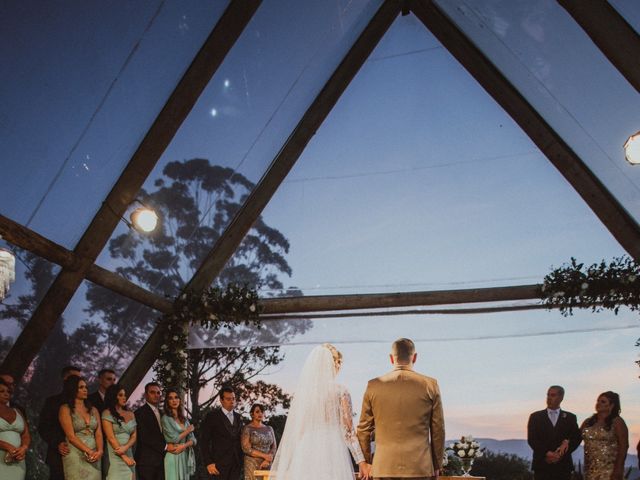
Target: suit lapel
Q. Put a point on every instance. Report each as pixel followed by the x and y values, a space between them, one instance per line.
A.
pixel 225 421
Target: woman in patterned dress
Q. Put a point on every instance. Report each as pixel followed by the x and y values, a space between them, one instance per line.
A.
pixel 606 440
pixel 258 443
pixel 81 425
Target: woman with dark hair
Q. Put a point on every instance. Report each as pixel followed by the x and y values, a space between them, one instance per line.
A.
pixel 258 443
pixel 179 463
pixel 606 440
pixel 119 425
pixel 81 425
pixel 14 438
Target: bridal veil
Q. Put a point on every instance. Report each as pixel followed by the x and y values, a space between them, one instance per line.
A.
pixel 312 445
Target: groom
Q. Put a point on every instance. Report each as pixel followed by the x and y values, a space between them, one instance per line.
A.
pixel 405 409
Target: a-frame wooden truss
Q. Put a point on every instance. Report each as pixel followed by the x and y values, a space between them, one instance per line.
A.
pixel 601 22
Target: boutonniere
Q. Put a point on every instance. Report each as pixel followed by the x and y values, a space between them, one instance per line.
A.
pixel 564 415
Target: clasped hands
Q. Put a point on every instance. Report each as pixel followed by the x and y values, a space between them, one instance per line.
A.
pixel 16 455
pixel 364 470
pixel 558 453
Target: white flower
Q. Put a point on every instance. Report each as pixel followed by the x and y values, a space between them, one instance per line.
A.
pixel 164 347
pixel 461 453
pixel 475 444
pixel 471 452
pixel 632 278
pixel 175 338
pixel 478 453
pixel 584 286
pixel 469 438
pixel 558 294
pixel 452 445
pixel 252 308
pixel 168 367
pixel 248 296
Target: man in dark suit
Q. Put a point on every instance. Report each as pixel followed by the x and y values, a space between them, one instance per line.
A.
pixel 106 378
pixel 220 439
pixel 51 431
pixel 553 434
pixel 150 446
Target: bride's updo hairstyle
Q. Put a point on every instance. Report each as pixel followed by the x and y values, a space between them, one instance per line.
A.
pixel 403 351
pixel 335 353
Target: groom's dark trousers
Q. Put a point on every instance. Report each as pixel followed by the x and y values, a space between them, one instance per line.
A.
pixel 543 437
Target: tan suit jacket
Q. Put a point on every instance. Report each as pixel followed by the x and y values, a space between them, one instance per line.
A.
pixel 405 410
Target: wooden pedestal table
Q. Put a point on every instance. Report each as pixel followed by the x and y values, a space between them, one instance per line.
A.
pixel 264 475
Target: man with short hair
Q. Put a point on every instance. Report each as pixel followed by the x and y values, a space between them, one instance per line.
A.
pixel 405 409
pixel 553 434
pixel 51 431
pixel 106 378
pixel 220 439
pixel 150 445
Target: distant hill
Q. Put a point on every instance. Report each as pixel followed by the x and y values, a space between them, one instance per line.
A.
pixel 522 449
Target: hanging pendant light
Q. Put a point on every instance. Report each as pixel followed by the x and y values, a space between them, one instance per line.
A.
pixel 632 149
pixel 7 271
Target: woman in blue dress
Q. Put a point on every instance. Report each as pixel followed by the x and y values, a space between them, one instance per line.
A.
pixel 119 425
pixel 180 463
pixel 14 438
pixel 81 425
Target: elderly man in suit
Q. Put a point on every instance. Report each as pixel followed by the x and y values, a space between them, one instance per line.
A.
pixel 220 439
pixel 553 434
pixel 405 410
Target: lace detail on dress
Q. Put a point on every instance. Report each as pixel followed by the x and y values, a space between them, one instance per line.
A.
pixel 346 422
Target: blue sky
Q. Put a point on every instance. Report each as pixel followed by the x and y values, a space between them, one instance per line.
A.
pixel 417 180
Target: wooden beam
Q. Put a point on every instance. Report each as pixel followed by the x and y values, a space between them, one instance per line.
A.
pixel 325 303
pixel 35 243
pixel 611 213
pixel 278 170
pixel 611 33
pixel 178 106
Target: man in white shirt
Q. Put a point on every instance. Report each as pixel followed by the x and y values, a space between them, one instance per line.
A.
pixel 150 445
pixel 553 434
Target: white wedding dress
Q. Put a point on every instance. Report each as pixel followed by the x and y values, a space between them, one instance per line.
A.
pixel 319 432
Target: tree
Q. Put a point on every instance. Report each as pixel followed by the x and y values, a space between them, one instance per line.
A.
pixel 196 201
pixel 502 466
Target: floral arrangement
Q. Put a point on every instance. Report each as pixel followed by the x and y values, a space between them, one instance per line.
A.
pixel 467 447
pixel 599 286
pixel 214 308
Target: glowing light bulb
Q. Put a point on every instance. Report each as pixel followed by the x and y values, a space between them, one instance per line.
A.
pixel 632 149
pixel 144 219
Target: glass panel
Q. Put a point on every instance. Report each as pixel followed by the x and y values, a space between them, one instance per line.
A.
pixel 489 387
pixel 577 90
pixel 419 181
pixel 34 276
pixel 240 122
pixel 81 87
pixel 630 10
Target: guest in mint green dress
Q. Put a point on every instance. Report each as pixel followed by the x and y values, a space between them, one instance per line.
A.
pixel 14 438
pixel 180 463
pixel 119 425
pixel 81 425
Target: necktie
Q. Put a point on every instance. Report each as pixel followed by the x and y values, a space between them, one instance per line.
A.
pixel 230 417
pixel 553 416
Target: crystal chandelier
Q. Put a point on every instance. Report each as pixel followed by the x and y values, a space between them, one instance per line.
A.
pixel 7 271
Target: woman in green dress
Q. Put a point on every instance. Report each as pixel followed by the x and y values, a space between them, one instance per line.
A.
pixel 14 438
pixel 119 425
pixel 179 464
pixel 81 425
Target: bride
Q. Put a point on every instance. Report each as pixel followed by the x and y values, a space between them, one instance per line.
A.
pixel 319 433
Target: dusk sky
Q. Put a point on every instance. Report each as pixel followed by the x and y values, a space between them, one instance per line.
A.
pixel 416 181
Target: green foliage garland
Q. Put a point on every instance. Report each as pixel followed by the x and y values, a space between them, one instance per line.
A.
pixel 600 286
pixel 214 308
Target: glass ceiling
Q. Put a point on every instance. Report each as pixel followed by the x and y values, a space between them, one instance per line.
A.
pixel 577 90
pixel 419 181
pixel 72 74
pixel 235 130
